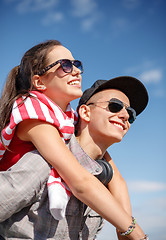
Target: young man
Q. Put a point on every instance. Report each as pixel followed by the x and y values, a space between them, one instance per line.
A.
pixel 105 117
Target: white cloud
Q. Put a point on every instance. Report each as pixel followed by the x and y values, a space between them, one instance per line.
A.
pixel 88 23
pixel 52 17
pixel 151 76
pixel 147 72
pixel 146 186
pixel 87 11
pixel 35 5
pixel 82 8
pixel 141 67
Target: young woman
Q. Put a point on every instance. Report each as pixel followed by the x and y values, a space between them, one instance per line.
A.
pixel 36 97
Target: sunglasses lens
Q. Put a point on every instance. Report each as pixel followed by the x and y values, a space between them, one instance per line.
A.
pixel 66 65
pixel 132 115
pixel 78 65
pixel 115 107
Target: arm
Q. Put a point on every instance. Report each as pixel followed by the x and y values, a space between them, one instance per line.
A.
pixel 118 187
pixel 21 184
pixel 83 185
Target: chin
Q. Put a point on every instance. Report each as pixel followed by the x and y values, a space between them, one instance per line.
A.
pixel 76 96
pixel 117 139
pixel 79 93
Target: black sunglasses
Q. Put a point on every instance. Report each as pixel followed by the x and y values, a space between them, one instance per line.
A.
pixel 66 64
pixel 115 106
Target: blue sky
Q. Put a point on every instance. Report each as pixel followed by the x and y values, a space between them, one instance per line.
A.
pixel 111 38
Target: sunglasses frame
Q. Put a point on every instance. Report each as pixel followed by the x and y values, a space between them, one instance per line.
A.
pixel 129 109
pixel 61 63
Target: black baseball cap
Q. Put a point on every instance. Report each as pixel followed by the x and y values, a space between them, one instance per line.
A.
pixel 130 86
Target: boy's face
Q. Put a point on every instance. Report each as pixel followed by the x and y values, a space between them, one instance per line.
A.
pixel 104 125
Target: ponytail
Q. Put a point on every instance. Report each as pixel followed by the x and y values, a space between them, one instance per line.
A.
pixel 8 96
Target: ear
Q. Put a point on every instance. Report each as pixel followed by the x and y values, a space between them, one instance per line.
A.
pixel 84 113
pixel 37 83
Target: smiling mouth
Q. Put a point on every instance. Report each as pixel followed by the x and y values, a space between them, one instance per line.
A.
pixel 75 82
pixel 118 125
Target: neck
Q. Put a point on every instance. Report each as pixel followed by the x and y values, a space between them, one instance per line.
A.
pixel 62 103
pixel 95 150
pixel 63 106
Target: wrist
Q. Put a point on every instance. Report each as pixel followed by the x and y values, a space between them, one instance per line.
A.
pixel 134 232
pixel 130 228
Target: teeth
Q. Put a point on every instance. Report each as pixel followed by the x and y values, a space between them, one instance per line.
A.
pixel 118 125
pixel 74 82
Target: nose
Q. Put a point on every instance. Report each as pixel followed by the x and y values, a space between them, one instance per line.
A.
pixel 123 114
pixel 76 70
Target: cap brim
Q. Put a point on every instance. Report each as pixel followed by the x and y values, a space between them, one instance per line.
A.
pixel 131 87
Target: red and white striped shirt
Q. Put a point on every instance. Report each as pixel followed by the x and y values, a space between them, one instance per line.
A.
pixel 38 106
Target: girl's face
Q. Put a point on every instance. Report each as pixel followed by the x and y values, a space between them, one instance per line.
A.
pixel 59 86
